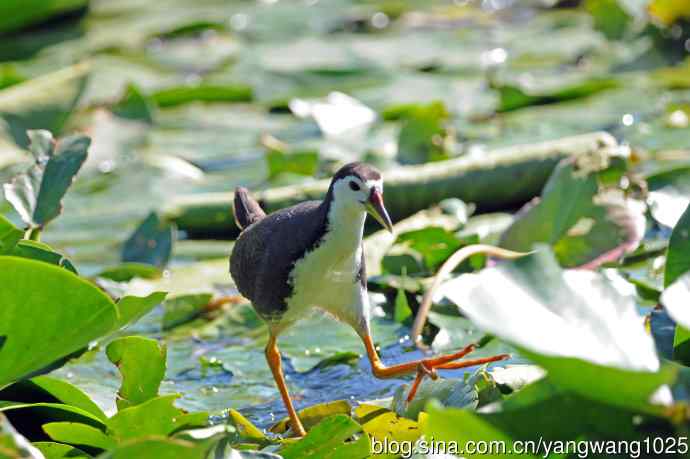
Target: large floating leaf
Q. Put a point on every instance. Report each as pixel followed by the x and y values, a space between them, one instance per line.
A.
pixel 586 328
pixel 141 362
pixel 69 311
pixel 330 439
pixel 539 416
pixel 37 194
pixel 586 225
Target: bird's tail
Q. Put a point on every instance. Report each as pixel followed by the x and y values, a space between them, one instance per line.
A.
pixel 247 210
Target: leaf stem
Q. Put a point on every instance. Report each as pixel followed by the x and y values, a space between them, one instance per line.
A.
pixel 33 233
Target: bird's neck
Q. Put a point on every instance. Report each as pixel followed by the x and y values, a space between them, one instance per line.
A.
pixel 345 223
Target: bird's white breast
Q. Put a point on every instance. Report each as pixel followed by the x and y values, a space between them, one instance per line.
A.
pixel 326 277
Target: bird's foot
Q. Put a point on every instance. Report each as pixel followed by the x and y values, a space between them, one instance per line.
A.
pixel 428 367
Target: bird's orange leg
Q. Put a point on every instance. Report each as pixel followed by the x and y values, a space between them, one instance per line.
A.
pixel 423 367
pixel 273 358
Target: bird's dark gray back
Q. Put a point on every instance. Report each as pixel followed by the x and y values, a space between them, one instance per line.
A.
pixel 265 253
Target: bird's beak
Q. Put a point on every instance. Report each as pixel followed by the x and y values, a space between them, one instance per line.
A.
pixel 377 210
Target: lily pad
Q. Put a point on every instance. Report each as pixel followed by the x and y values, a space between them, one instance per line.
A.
pixel 587 330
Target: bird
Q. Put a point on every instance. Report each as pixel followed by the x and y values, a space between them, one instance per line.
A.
pixel 311 256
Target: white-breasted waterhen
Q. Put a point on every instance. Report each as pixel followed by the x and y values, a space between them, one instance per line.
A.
pixel 311 256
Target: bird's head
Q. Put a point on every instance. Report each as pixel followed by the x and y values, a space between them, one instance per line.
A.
pixel 360 186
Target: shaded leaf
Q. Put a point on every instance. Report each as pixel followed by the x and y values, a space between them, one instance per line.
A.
pixel 125 272
pixel 13 445
pixel 676 300
pixel 151 242
pixel 677 259
pixel 41 252
pixel 585 225
pixel 184 308
pixel 587 330
pixel 44 102
pixel 50 390
pixel 134 105
pixel 37 194
pixel 160 448
pixel 141 362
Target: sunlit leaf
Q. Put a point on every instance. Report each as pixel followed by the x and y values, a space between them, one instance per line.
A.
pixel 141 362
pixel 53 450
pixel 9 235
pixel 157 416
pixel 184 308
pixel 314 414
pixel 69 311
pixel 79 435
pixel 331 438
pixel 423 134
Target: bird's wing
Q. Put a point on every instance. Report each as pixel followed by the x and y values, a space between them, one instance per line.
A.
pixel 247 210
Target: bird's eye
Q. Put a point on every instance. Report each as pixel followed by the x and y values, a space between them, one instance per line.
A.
pixel 354 186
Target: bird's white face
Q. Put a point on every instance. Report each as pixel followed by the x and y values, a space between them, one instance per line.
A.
pixel 354 191
pixel 357 195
